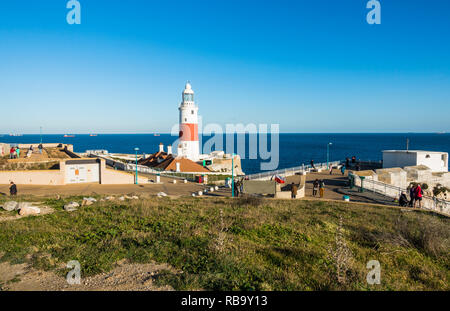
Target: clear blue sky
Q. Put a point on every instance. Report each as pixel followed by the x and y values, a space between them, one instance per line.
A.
pixel 311 66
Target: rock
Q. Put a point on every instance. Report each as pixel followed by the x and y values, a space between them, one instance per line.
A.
pixel 193 194
pixel 200 193
pixel 88 201
pixel 161 194
pixel 110 198
pixel 10 206
pixel 29 210
pixel 211 189
pixel 122 198
pixel 135 197
pixel 216 188
pixel 72 206
pixel 22 205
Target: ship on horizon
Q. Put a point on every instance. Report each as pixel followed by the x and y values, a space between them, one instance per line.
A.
pixel 69 135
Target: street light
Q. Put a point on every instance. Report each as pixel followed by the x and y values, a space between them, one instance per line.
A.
pixel 136 181
pixel 328 154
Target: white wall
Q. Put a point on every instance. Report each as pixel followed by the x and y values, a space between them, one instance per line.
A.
pixel 436 161
pixel 399 159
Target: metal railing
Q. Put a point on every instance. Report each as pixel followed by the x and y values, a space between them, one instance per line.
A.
pixel 394 192
pixel 290 171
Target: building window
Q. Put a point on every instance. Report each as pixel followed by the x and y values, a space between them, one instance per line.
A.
pixel 192 111
pixel 185 119
pixel 427 156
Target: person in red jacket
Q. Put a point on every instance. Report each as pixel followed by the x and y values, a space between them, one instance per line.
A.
pixel 418 196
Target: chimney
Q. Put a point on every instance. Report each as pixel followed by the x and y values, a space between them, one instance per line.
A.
pixel 180 151
pixel 169 149
pixel 178 166
pixel 161 147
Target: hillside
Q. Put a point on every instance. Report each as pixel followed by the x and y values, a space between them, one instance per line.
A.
pixel 244 244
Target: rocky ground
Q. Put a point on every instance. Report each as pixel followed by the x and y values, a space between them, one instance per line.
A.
pixel 125 277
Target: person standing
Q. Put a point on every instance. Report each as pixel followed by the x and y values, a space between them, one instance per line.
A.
pixel 322 188
pixel 18 152
pixel 294 190
pixel 418 196
pixel 236 189
pixel 343 169
pixel 40 148
pixel 12 151
pixel 315 187
pixel 13 189
pixel 412 195
pixel 331 169
pixel 312 164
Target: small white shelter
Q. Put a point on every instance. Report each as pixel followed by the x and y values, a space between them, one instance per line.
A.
pixel 436 161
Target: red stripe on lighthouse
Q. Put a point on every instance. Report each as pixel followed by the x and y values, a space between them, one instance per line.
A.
pixel 188 132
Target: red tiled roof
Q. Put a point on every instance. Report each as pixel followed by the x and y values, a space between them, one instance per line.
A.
pixel 186 165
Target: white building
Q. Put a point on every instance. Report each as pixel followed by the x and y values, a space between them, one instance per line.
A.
pixel 436 161
pixel 189 144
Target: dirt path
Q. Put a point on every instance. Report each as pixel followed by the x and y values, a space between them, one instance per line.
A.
pixel 125 277
pixel 88 189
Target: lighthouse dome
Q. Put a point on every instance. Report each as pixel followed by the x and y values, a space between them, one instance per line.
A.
pixel 188 89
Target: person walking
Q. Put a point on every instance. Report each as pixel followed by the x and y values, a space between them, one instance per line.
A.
pixel 418 196
pixel 331 169
pixel 294 190
pixel 312 164
pixel 315 187
pixel 40 148
pixel 13 189
pixel 322 188
pixel 343 169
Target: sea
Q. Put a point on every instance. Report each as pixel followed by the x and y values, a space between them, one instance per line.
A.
pixel 293 149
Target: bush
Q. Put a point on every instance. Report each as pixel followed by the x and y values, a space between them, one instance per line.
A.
pixel 250 200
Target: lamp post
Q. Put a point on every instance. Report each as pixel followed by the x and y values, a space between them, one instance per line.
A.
pixel 136 180
pixel 232 175
pixel 328 154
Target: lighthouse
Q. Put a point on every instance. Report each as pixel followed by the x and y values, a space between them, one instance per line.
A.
pixel 188 136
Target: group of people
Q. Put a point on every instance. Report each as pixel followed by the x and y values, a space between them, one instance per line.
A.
pixel 415 195
pixel 14 152
pixel 318 185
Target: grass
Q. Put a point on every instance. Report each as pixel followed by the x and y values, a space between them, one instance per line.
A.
pixel 244 244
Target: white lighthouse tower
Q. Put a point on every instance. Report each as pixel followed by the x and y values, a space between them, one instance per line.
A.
pixel 189 144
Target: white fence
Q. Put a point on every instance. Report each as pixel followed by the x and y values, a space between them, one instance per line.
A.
pixel 429 203
pixel 290 171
